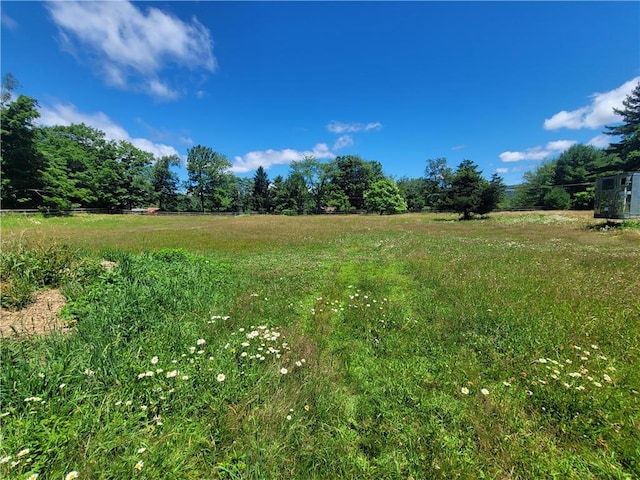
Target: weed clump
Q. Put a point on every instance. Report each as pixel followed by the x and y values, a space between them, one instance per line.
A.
pixel 29 266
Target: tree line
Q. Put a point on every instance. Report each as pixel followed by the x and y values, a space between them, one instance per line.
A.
pixel 58 167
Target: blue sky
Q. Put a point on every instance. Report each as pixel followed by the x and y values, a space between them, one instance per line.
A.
pixel 505 84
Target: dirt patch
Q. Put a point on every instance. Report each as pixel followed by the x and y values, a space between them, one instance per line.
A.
pixel 40 317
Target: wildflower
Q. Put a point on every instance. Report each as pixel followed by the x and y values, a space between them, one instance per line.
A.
pixel 575 374
pixel 22 453
pixel 40 375
pixel 220 377
pixel 154 360
pixel 595 347
pixel 159 370
pixel 61 386
pixel 484 391
pixel 138 466
pixel 143 407
pixel 128 403
pixel 288 417
pixel 88 373
pixel 141 375
pixel 71 475
pixel 5 459
pixel 284 371
pixel 33 476
pixel 542 360
pixel 506 384
pixel 580 387
pixel 172 373
pixel 243 354
pixel 567 385
pixel 298 363
pixel 607 378
pixel 200 352
pixel 464 391
pixel 185 377
pixel 307 407
pixel 602 357
pixel 142 450
pixel 192 349
pixel 201 341
pixel 15 464
pixel 529 392
pixel 597 384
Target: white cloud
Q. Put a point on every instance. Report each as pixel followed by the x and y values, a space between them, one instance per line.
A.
pixel 267 158
pixel 458 147
pixel 68 114
pixel 343 141
pixel 132 47
pixel 600 141
pixel 538 152
pixel 162 90
pixel 502 170
pixel 598 113
pixel 340 127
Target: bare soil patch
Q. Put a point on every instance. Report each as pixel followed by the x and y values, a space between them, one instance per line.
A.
pixel 40 317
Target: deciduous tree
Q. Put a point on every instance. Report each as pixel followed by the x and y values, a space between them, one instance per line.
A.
pixel 165 182
pixel 207 172
pixel 384 197
pixel 20 162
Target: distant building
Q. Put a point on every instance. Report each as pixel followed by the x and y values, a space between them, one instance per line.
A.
pixel 618 196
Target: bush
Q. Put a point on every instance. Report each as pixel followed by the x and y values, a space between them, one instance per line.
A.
pixel 557 199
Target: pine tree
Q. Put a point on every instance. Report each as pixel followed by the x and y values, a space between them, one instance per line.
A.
pixel 628 148
pixel 261 194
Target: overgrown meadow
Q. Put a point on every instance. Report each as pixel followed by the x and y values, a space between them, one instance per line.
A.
pixel 413 346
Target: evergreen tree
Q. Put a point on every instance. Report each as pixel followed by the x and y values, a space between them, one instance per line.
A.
pixel 470 193
pixel 261 196
pixel 628 148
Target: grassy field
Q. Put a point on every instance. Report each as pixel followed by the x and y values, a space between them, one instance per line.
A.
pixel 408 347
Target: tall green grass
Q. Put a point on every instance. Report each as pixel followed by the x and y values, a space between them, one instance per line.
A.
pixel 337 347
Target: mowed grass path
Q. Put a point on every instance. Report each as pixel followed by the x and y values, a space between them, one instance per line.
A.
pixel 412 346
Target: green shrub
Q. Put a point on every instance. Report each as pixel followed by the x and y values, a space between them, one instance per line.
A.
pixel 27 267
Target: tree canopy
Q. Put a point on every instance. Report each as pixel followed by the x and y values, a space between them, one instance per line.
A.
pixel 62 167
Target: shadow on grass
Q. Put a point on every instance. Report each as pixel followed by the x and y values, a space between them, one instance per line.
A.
pixel 606 226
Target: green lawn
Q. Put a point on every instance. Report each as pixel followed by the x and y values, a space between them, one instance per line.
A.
pixel 412 346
